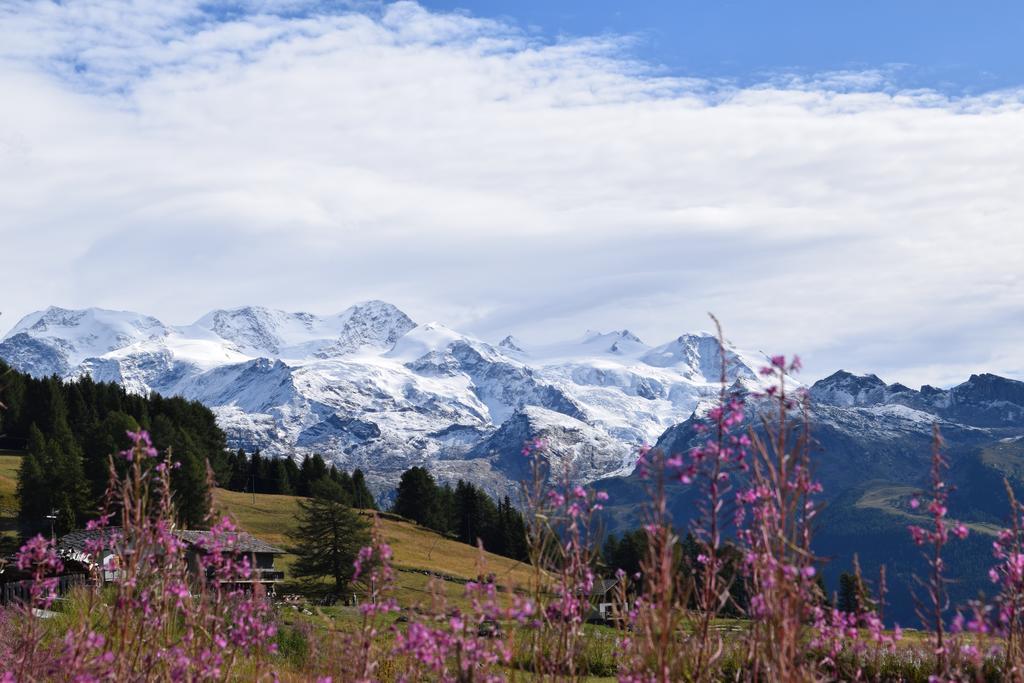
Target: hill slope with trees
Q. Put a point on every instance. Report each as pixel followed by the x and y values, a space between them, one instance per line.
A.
pixel 68 430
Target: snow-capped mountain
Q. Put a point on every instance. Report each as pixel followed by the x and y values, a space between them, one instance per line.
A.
pixel 54 341
pixel 984 400
pixel 369 387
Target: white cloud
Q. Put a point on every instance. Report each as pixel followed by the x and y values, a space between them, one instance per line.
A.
pixel 158 158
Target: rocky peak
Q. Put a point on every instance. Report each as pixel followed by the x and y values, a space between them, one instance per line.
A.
pixel 510 343
pixel 371 323
pixel 250 327
pixel 844 388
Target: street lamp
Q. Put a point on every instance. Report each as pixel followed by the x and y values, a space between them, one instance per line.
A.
pixel 53 518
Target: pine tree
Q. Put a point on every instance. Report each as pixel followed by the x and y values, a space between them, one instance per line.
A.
pixel 256 472
pixel 328 536
pixel 103 440
pixel 446 512
pixel 305 487
pixel 279 474
pixel 417 497
pixel 512 530
pixel 312 470
pixel 318 469
pixel 239 478
pixel 34 493
pixel 67 481
pixel 361 496
pixel 849 600
pixel 475 515
pixel 191 493
pixel 293 475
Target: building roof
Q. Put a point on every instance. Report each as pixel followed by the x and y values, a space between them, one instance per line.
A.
pixel 243 542
pixel 602 586
pixel 75 541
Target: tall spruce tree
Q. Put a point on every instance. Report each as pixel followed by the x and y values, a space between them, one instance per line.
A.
pixel 417 498
pixel 238 480
pixel 279 477
pixel 328 536
pixel 33 488
pixel 361 496
pixel 849 598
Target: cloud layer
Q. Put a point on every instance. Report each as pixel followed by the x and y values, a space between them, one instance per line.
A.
pixel 170 158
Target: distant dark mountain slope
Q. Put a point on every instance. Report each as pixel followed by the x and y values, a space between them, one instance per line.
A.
pixel 872 449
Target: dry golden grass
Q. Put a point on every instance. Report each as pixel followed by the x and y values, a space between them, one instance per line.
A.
pixel 9 464
pixel 416 549
pixel 272 518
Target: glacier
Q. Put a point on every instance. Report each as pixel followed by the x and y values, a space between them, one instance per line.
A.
pixel 371 388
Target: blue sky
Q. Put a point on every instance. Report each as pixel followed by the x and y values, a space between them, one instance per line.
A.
pixel 949 45
pixel 844 185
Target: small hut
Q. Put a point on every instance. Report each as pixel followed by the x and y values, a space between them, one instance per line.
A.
pixel 104 564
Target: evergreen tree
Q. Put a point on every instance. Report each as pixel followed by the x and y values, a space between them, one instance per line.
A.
pixel 104 439
pixel 33 488
pixel 312 470
pixel 626 553
pixel 512 530
pixel 318 468
pixel 239 478
pixel 328 536
pixel 79 425
pixel 476 516
pixel 417 498
pixel 446 511
pixel 279 475
pixel 305 487
pixel 849 598
pixel 293 475
pixel 191 492
pixel 361 496
pixel 69 487
pixel 256 472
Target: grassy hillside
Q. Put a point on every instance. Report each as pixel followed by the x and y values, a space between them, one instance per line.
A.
pixel 891 499
pixel 9 464
pixel 272 518
pixel 416 549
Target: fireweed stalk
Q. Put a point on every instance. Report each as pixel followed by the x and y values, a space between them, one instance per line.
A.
pixel 159 621
pixel 27 658
pixel 777 538
pixel 660 613
pixel 453 645
pixel 933 541
pixel 712 467
pixel 373 568
pixel 996 629
pixel 1008 574
pixel 653 646
pixel 836 632
pixel 562 543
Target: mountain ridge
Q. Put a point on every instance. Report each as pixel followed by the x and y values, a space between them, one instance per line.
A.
pixel 370 387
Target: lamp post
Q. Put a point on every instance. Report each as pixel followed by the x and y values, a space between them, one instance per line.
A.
pixel 53 518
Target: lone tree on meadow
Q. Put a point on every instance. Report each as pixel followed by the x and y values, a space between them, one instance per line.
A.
pixel 329 536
